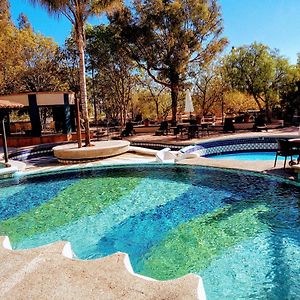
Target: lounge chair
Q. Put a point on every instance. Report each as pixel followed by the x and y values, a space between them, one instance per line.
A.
pixel 165 156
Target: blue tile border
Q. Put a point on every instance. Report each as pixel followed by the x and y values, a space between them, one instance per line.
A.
pixel 226 146
pixel 205 148
pixel 157 146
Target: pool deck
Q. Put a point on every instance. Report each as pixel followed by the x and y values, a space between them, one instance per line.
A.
pixel 45 273
pixel 49 163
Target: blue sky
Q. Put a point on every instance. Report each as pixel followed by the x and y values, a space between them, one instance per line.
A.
pixel 275 23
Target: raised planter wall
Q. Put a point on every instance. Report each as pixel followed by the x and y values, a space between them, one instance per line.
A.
pixel 25 141
pixel 145 129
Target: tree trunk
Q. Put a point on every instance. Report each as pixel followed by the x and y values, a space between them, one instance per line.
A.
pixel 94 98
pixel 83 92
pixel 157 108
pixel 257 102
pixel 174 96
pixel 268 117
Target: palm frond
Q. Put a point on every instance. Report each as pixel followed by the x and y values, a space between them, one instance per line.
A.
pixel 54 7
pixel 105 6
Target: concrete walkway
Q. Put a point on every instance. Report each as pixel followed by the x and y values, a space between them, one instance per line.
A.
pixel 44 273
pixel 48 163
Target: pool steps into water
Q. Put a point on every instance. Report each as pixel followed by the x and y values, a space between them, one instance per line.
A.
pixel 50 268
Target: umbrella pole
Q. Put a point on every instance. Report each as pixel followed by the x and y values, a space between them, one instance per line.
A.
pixel 4 142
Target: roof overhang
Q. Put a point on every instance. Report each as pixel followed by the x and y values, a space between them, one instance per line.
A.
pixel 42 98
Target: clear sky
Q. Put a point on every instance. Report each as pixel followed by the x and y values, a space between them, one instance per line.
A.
pixel 275 23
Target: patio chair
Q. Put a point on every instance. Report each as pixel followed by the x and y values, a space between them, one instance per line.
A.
pixel 204 128
pixel 260 124
pixel 128 129
pixel 193 131
pixel 228 125
pixel 284 149
pixel 163 128
pixel 179 129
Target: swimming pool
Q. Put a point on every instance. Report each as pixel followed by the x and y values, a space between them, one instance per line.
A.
pixel 247 156
pixel 239 231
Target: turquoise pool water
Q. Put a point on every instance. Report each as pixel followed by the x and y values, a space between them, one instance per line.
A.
pixel 248 156
pixel 2 166
pixel 239 231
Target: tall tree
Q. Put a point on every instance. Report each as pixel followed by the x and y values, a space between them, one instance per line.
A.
pixel 77 12
pixel 113 71
pixel 155 91
pixel 209 88
pixel 69 66
pixel 290 96
pixel 41 66
pixel 257 70
pixel 4 11
pixel 165 36
pixel 28 61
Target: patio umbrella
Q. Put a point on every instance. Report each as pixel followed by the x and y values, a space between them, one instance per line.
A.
pixel 5 106
pixel 188 106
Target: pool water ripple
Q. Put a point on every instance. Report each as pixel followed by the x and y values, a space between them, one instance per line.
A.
pixel 239 231
pixel 14 200
pixel 149 227
pixel 84 232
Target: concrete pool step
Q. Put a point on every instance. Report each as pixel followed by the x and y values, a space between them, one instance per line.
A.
pixel 45 273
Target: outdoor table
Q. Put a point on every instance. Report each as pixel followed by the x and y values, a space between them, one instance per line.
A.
pixel 295 144
pixel 193 129
pixel 204 126
pixel 182 127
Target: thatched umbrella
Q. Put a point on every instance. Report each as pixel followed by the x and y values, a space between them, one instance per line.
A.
pixel 5 106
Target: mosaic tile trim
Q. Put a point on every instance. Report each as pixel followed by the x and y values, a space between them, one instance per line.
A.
pixel 30 153
pixel 34 151
pixel 157 146
pixel 203 148
pixel 235 145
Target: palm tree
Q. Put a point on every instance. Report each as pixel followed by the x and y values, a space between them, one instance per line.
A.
pixel 77 12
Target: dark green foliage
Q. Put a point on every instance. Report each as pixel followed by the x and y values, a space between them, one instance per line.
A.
pixel 258 71
pixel 112 71
pixel 164 37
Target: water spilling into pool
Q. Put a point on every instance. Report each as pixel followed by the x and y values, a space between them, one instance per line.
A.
pixel 239 231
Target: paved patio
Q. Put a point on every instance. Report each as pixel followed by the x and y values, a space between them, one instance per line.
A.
pixel 47 162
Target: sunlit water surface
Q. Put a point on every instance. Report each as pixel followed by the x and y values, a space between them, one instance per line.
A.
pixel 239 231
